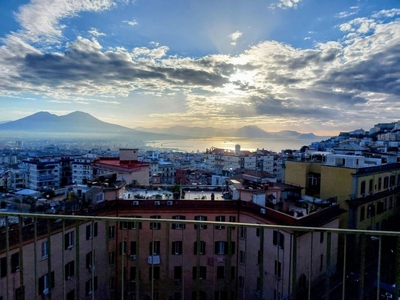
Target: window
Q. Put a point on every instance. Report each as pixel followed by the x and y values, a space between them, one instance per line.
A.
pixel 132 274
pixel 14 262
pixel 278 239
pixel 233 272
pixel 71 295
pixel 379 183
pixel 178 225
pixel 177 273
pixel 154 273
pixel 90 286
pixel 220 219
pixel 69 270
pixel 371 185
pixel 3 266
pixel 46 282
pixel 111 258
pixel 122 248
pixel 362 213
pixel 390 202
pixel 199 248
pixel 18 293
pixel 89 260
pixel 155 226
pixel 111 283
pixel 278 266
pixel 243 232
pixel 154 248
pixel 220 295
pixel 91 231
pixel 379 207
pixel 321 237
pixel 232 219
pixel 257 232
pixel 241 282
pixel 45 249
pixel 220 272
pixel 111 232
pixel 199 295
pixel 136 225
pixel 177 248
pixel 133 248
pixel 223 247
pixel 200 218
pixel 242 257
pixel 200 271
pixel 177 296
pixel 69 240
pixel 259 257
pixel 362 188
pixel 386 182
pixel 371 211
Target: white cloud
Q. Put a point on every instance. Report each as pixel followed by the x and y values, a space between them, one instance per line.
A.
pixel 284 4
pixel 131 23
pixel 234 37
pixel 95 32
pixel 40 19
pixel 307 38
pixel 345 14
pixel 387 13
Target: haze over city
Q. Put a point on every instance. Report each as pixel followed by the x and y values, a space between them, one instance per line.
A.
pixel 301 65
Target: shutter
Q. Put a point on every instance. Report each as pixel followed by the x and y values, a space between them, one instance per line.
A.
pixel 95 229
pixel 88 228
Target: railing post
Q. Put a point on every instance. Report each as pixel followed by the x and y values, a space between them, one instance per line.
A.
pixel 310 265
pixel 21 262
pixel 397 269
pixel 344 266
pixel 294 265
pixel 261 264
pixel 362 267
pixel 328 265
pixel 378 275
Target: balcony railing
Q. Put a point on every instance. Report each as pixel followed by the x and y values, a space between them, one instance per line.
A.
pixel 109 257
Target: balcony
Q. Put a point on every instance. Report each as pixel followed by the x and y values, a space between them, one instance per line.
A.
pixel 100 257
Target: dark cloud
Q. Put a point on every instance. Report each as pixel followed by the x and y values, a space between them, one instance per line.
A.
pixel 313 57
pixel 272 107
pixel 77 66
pixel 379 73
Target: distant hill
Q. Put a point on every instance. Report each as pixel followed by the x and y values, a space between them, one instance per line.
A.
pixel 74 123
pixel 245 132
pixel 85 124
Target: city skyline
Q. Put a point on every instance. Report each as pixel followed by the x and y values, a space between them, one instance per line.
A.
pixel 280 65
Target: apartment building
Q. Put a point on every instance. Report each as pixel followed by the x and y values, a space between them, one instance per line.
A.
pixel 175 259
pixel 126 166
pixel 82 170
pixel 367 188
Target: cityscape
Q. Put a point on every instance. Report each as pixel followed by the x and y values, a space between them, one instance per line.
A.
pixel 199 150
pixel 247 213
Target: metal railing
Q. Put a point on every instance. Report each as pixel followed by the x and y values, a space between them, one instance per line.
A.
pixel 108 257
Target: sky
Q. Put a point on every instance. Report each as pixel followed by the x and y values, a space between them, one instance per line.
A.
pixel 304 65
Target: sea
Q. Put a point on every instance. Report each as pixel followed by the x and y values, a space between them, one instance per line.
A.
pixel 229 143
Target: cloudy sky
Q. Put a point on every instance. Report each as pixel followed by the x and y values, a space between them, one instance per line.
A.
pixel 305 65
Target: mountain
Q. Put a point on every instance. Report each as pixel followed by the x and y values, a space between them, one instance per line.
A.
pixel 245 132
pixel 74 123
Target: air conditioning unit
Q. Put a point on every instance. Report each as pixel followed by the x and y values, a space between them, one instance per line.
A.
pixel 133 257
pixel 170 202
pixel 157 203
pixel 263 211
pixel 135 202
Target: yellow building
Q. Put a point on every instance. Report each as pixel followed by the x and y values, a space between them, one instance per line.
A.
pixel 365 187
